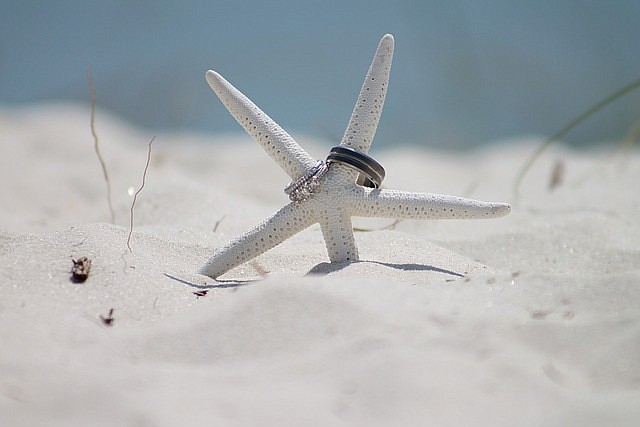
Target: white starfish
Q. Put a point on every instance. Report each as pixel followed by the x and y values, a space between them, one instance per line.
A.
pixel 338 197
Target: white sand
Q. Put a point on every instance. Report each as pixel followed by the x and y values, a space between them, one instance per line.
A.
pixel 528 320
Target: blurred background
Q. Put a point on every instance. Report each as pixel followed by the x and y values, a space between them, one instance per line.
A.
pixel 465 72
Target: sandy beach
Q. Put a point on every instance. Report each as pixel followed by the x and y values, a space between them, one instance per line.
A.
pixel 527 320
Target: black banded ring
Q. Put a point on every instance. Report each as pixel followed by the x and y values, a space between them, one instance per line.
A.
pixel 371 172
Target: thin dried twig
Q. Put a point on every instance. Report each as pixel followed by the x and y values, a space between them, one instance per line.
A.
pixel 215 226
pixel 135 196
pixel 96 145
pixel 391 226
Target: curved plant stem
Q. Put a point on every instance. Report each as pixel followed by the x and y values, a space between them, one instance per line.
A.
pixel 135 196
pixel 96 145
pixel 568 128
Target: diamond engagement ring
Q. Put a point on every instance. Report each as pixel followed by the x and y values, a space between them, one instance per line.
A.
pixel 301 190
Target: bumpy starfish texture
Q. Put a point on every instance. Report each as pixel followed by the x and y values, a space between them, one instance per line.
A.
pixel 338 197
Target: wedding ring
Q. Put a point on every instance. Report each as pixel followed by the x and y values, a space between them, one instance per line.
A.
pixel 301 189
pixel 371 172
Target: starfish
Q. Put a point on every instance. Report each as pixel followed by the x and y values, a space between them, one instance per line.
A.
pixel 337 197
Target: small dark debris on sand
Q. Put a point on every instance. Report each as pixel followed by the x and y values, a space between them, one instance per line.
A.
pixel 80 270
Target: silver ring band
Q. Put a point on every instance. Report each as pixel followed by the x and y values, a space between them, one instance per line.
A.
pixel 371 172
pixel 303 188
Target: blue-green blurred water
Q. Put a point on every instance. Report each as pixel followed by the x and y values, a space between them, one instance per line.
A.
pixel 465 72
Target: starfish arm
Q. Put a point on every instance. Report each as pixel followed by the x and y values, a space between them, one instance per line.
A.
pixel 275 140
pixel 409 205
pixel 337 231
pixel 288 221
pixel 366 114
